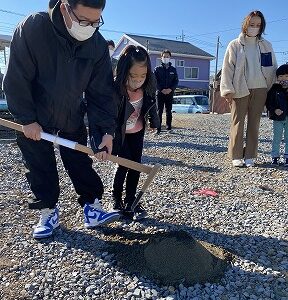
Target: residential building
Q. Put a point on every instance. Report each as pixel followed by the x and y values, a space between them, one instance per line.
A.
pixel 191 62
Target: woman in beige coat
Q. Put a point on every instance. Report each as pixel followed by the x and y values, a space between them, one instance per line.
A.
pixel 248 71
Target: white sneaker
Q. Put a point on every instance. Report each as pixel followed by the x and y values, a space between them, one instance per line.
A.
pixel 49 220
pixel 237 162
pixel 94 215
pixel 249 162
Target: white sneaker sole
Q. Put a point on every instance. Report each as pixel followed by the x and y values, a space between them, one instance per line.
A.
pixel 112 219
pixel 43 236
pixel 237 163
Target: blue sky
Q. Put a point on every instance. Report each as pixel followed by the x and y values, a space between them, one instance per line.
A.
pixel 201 21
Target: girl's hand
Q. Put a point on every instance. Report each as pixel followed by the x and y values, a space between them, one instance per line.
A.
pixel 106 144
pixel 278 112
pixel 229 98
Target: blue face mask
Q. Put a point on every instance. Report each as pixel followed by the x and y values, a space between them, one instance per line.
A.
pixel 284 83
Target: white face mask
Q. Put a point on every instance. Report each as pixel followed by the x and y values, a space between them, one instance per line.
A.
pixel 284 83
pixel 252 31
pixel 165 60
pixel 80 33
pixel 135 84
pixel 111 52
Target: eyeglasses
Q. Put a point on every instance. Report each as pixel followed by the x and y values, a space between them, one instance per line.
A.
pixel 85 23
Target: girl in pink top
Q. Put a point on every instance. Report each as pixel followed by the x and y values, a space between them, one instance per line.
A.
pixel 135 90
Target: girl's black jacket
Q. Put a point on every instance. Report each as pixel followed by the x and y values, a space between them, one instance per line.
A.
pixel 125 109
pixel 277 98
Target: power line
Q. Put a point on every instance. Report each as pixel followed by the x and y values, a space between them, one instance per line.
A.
pixel 189 37
pixel 5 23
pixel 279 41
pixel 231 29
pixel 205 43
pixel 213 32
pixel 279 20
pixel 12 12
pixel 141 34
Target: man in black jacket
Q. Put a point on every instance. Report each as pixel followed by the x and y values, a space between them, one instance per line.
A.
pixel 167 81
pixel 54 59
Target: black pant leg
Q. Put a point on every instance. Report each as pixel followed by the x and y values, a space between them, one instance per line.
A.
pixel 121 172
pixel 168 108
pixel 118 182
pixel 131 149
pixel 160 104
pixel 135 141
pixel 87 183
pixel 42 175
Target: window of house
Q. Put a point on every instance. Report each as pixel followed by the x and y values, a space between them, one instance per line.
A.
pixel 180 63
pixel 191 73
pixel 125 41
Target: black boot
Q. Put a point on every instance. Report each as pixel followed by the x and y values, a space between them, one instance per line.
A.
pixel 140 212
pixel 118 203
pixel 128 213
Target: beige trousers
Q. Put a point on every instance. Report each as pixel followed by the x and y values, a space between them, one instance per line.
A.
pixel 251 106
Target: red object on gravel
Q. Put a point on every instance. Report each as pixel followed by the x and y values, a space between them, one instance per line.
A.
pixel 206 192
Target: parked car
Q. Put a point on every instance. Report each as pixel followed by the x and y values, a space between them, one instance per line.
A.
pixel 184 104
pixel 3 105
pixel 6 133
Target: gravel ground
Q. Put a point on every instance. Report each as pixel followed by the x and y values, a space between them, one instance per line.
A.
pixel 247 219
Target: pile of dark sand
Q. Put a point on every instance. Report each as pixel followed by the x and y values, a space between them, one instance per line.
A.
pixel 168 258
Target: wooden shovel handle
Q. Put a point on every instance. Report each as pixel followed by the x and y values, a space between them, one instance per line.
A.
pixel 118 160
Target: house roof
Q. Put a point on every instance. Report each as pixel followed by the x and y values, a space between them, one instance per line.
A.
pixel 176 47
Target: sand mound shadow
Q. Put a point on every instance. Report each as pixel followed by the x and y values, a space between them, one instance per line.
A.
pixel 170 258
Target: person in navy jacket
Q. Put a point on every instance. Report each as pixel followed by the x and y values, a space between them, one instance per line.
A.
pixel 167 81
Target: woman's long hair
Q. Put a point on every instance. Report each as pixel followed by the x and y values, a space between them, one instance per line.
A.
pixel 131 55
pixel 246 22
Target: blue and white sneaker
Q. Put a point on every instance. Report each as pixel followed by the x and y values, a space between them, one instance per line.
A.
pixel 94 215
pixel 49 220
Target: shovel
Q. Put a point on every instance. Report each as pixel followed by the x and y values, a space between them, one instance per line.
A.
pixel 151 171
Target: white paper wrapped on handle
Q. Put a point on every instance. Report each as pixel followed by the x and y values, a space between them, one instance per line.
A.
pixel 58 140
pixel 82 148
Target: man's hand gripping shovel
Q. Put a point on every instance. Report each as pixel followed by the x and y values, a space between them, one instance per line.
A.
pixel 151 171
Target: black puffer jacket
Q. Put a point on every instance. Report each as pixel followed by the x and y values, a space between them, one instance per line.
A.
pixel 167 78
pixel 48 72
pixel 277 98
pixel 125 109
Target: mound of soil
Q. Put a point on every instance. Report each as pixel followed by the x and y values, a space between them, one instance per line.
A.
pixel 169 258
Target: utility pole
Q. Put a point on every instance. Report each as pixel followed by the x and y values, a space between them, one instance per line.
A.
pixel 5 57
pixel 182 35
pixel 147 46
pixel 216 67
pixel 217 52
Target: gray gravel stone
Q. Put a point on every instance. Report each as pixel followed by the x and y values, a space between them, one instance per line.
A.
pixel 248 218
